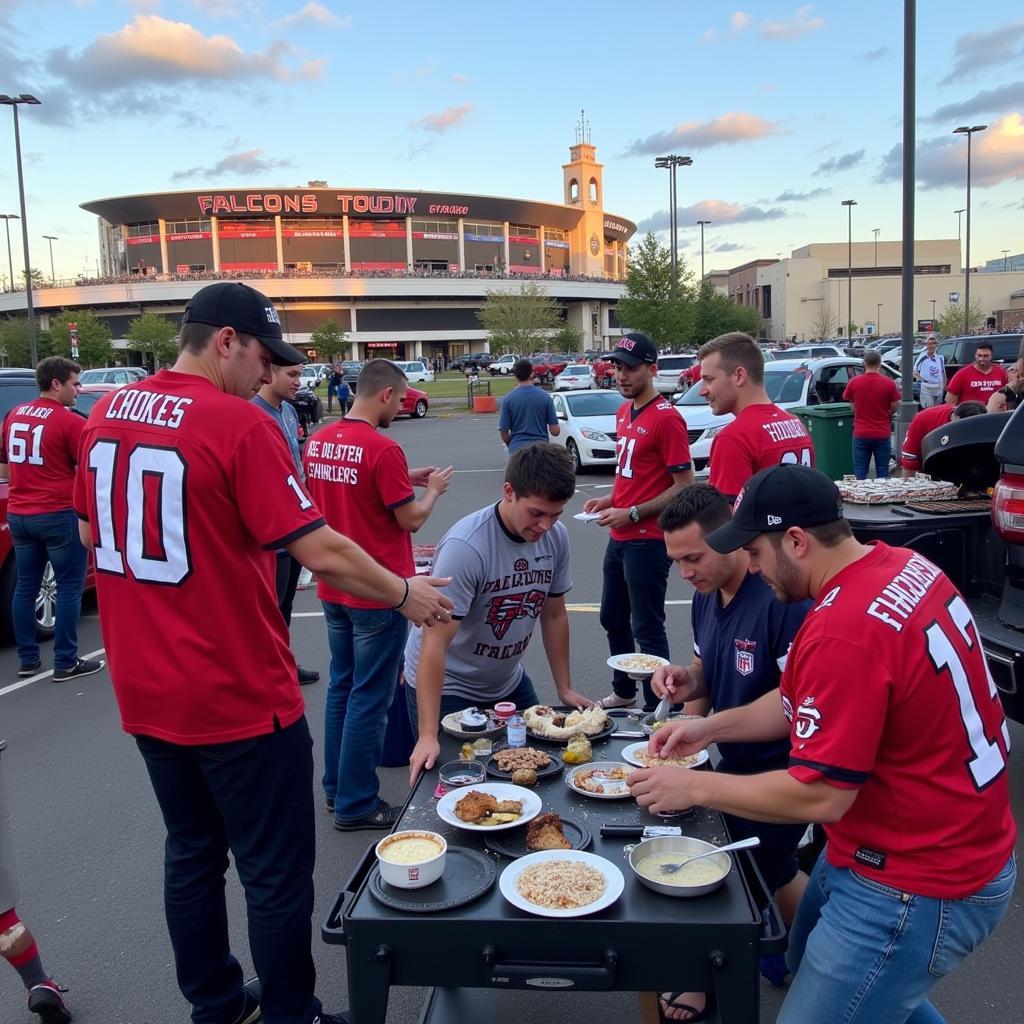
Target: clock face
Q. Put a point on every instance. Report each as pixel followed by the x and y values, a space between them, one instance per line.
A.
pixel 595 244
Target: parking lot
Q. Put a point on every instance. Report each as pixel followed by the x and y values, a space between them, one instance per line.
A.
pixel 89 837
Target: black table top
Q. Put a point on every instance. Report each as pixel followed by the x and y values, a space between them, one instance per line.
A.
pixel 890 515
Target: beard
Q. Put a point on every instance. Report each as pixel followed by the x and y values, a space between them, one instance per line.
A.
pixel 786 582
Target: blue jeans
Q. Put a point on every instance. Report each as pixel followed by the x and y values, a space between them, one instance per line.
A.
pixel 253 798
pixel 523 696
pixel 366 651
pixel 864 953
pixel 633 605
pixel 864 448
pixel 49 537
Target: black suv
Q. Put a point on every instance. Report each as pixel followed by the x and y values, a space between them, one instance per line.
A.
pixel 471 361
pixel 959 352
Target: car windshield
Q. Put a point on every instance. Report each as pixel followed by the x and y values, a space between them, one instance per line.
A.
pixel 602 403
pixel 85 400
pixel 785 385
pixel 577 371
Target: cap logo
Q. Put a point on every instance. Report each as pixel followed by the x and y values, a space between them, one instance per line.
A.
pixel 272 317
pixel 775 520
pixel 627 343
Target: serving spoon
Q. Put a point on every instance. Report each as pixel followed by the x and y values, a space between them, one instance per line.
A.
pixel 743 844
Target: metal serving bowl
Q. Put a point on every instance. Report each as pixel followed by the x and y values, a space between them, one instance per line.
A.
pixel 685 846
pixel 647 722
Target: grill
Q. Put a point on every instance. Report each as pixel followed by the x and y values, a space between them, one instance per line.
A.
pixel 488 945
pixel 693 435
pixel 952 506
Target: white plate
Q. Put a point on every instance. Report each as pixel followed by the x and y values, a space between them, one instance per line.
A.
pixel 451 724
pixel 500 791
pixel 619 793
pixel 634 673
pixel 587 517
pixel 614 882
pixel 629 754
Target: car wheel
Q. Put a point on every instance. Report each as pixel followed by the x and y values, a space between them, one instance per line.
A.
pixel 574 454
pixel 549 377
pixel 420 409
pixel 46 602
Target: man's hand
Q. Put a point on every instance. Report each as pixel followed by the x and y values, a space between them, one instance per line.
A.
pixel 420 477
pixel 425 606
pixel 597 504
pixel 664 789
pixel 572 699
pixel 676 739
pixel 675 681
pixel 616 518
pixel 439 479
pixel 424 756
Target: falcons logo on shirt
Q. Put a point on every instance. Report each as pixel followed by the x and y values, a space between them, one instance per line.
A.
pixel 745 656
pixel 506 608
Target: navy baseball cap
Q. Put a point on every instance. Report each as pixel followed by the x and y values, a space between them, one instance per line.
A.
pixel 233 304
pixel 775 499
pixel 633 349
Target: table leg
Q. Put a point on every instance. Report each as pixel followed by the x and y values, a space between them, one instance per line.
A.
pixel 737 988
pixel 368 988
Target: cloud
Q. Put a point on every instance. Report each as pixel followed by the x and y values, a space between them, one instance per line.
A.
pixel 250 163
pixel 709 36
pixel 789 196
pixel 224 8
pixel 882 51
pixel 726 130
pixel 458 79
pixel 718 211
pixel 727 247
pixel 942 162
pixel 800 25
pixel 836 164
pixel 448 118
pixel 739 21
pixel 980 51
pixel 988 101
pixel 314 14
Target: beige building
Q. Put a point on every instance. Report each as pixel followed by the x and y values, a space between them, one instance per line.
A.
pixel 805 296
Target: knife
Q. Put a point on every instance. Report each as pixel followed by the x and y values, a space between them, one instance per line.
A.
pixel 640 831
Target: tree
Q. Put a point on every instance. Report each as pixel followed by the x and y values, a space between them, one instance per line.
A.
pixel 152 333
pixel 824 323
pixel 517 321
pixel 329 341
pixel 651 304
pixel 951 322
pixel 37 278
pixel 94 345
pixel 568 339
pixel 14 344
pixel 715 314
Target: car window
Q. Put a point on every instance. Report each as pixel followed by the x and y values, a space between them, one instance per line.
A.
pixel 559 406
pixel 1005 350
pixel 12 396
pixel 578 371
pixel 666 363
pixel 947 350
pixel 604 403
pixel 784 385
pixel 692 396
pixel 830 382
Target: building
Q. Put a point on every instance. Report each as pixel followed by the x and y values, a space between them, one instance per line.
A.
pixel 1004 264
pixel 403 273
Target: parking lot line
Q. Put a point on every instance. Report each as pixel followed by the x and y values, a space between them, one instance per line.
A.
pixel 43 675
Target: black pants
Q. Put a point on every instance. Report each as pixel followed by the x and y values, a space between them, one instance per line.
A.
pixel 253 798
pixel 286 580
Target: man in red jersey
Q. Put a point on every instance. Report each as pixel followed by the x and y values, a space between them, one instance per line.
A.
pixel 185 488
pixel 762 434
pixel 361 481
pixel 979 381
pixel 875 398
pixel 925 422
pixel 898 745
pixel 38 455
pixel 653 464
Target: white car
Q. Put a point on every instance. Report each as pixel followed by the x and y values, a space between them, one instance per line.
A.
pixel 587 419
pixel 576 377
pixel 322 369
pixel 666 380
pixel 310 376
pixel 416 370
pixel 503 365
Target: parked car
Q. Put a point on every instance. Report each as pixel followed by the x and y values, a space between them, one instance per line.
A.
pixel 502 366
pixel 350 371
pixel 322 369
pixel 416 371
pixel 113 375
pixel 310 376
pixel 415 404
pixel 90 394
pixel 812 352
pixel 547 367
pixel 587 419
pixel 309 408
pixel 604 373
pixel 959 352
pixel 470 361
pixel 578 377
pixel 666 379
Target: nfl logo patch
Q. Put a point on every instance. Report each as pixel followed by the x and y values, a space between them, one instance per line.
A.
pixel 745 656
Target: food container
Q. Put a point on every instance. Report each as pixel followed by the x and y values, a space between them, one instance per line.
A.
pixel 462 773
pixel 504 709
pixel 685 846
pixel 647 722
pixel 414 874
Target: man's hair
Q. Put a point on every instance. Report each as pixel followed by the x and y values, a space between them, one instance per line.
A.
pixel 377 375
pixel 275 369
pixel 55 368
pixel 541 470
pixel 697 503
pixel 736 349
pixel 522 369
pixel 981 345
pixel 965 409
pixel 872 359
pixel 828 535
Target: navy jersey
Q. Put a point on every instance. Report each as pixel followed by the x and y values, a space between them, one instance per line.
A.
pixel 743 649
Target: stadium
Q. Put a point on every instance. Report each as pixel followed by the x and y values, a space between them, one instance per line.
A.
pixel 403 273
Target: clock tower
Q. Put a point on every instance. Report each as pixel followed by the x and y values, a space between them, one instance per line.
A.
pixel 584 189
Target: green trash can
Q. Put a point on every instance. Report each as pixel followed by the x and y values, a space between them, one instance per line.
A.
pixel 831 428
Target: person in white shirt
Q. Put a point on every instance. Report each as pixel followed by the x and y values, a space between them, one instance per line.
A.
pixel 930 370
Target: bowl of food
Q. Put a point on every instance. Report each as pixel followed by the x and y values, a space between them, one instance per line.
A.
pixel 637 666
pixel 411 859
pixel 461 773
pixel 648 725
pixel 652 862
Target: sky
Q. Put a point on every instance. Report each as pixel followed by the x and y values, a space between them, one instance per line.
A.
pixel 786 110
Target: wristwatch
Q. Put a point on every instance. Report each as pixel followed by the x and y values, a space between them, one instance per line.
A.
pixel 634 514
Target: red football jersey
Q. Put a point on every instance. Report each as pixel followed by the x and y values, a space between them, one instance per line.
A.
pixel 357 476
pixel 872 396
pixel 186 490
pixel 652 445
pixel 760 436
pixel 888 692
pixel 40 446
pixel 971 386
pixel 924 422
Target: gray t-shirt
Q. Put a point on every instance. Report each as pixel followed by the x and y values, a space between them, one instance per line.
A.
pixel 499 585
pixel 526 413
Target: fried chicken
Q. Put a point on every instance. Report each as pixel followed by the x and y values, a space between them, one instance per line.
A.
pixel 474 806
pixel 509 807
pixel 545 833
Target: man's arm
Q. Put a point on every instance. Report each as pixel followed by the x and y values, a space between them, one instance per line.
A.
pixel 434 645
pixel 951 399
pixel 505 435
pixel 413 514
pixel 618 518
pixel 554 631
pixel 553 428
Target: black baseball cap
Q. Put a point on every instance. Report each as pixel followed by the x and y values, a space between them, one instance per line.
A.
pixel 633 349
pixel 233 304
pixel 775 499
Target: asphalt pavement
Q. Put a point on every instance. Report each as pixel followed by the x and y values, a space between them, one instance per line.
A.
pixel 89 838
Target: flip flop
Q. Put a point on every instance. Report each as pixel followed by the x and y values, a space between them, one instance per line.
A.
pixel 673 1003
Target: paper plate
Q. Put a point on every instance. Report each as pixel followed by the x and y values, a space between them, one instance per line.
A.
pixel 616 662
pixel 500 791
pixel 630 754
pixel 615 789
pixel 613 879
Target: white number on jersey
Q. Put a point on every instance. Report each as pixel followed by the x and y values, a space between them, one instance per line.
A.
pixel 18 449
pixel 171 563
pixel 304 502
pixel 790 458
pixel 625 463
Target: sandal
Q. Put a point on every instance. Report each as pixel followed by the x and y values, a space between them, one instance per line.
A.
pixel 383 817
pixel 673 1003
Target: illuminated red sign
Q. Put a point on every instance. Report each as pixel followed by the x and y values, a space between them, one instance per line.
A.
pixel 258 202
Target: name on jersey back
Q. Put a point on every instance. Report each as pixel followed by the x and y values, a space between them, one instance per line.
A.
pixel 339 465
pixel 785 430
pixel 904 592
pixel 34 413
pixel 148 407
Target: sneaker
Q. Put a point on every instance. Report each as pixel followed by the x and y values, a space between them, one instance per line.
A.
pixel 330 804
pixel 251 1012
pixel 307 676
pixel 80 668
pixel 47 1001
pixel 332 1018
pixel 613 700
pixel 384 816
pixel 29 670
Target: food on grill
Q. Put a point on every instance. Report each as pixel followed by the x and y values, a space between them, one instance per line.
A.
pixel 895 489
pixel 542 720
pixel 653 761
pixel 601 780
pixel 699 872
pixel 640 663
pixel 545 833
pixel 524 777
pixel 414 849
pixel 578 751
pixel 561 884
pixel 477 808
pixel 521 757
pixel 473 720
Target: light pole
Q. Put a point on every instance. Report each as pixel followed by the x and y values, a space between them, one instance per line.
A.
pixel 672 161
pixel 30 316
pixel 933 314
pixel 959 223
pixel 51 239
pixel 878 318
pixel 702 223
pixel 1006 252
pixel 7 218
pixel 849 204
pixel 964 130
pixel 875 231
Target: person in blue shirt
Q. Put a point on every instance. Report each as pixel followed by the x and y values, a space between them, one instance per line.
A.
pixel 741 638
pixel 527 412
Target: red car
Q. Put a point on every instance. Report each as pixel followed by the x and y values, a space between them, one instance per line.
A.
pixel 604 373
pixel 415 404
